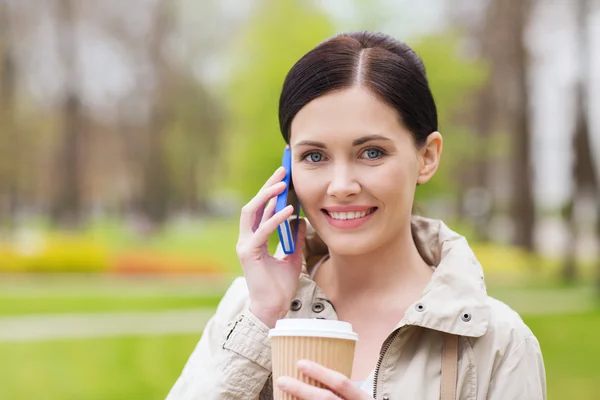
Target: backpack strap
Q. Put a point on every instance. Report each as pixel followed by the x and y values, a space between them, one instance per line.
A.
pixel 449 367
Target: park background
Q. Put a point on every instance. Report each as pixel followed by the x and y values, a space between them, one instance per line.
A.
pixel 132 132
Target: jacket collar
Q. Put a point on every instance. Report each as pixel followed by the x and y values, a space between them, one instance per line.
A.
pixel 455 300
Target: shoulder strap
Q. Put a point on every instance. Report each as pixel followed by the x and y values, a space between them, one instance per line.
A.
pixel 449 367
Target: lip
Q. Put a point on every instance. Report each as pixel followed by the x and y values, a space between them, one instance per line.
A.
pixel 353 208
pixel 348 223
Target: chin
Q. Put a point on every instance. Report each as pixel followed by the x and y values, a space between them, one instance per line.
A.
pixel 351 244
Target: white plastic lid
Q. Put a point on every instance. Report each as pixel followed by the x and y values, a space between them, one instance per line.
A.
pixel 313 328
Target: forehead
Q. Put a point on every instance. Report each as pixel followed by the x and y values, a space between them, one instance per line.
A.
pixel 344 115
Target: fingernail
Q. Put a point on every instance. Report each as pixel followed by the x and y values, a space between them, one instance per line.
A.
pixel 303 364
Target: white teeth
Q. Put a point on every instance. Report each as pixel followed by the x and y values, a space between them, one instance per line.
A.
pixel 349 215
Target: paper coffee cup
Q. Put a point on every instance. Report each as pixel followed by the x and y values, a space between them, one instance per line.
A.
pixel 329 343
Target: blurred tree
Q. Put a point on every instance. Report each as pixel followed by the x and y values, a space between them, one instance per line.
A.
pixel 154 129
pixel 496 30
pixel 280 32
pixel 271 44
pixel 585 181
pixel 8 136
pixel 194 143
pixel 155 180
pixel 169 122
pixel 184 132
pixel 505 49
pixel 484 126
pixel 484 121
pixel 451 75
pixel 524 205
pixel 67 202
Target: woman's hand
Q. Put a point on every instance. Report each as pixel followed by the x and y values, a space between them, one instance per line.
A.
pixel 340 386
pixel 272 282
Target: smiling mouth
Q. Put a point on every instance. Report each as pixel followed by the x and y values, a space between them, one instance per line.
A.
pixel 349 215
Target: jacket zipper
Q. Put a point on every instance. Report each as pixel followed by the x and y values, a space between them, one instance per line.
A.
pixel 385 348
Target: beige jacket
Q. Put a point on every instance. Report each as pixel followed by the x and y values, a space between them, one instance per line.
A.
pixel 499 358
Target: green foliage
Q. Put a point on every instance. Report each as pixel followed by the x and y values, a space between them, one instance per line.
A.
pixel 452 78
pixel 279 34
pixel 272 43
pixel 193 133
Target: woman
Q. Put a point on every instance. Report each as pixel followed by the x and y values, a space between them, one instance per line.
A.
pixel 360 119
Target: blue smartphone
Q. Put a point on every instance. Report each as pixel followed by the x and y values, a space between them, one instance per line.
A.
pixel 286 236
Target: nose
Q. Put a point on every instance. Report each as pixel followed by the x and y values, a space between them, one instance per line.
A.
pixel 343 183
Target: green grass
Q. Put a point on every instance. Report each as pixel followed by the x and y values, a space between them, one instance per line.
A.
pixel 80 294
pixel 146 367
pixel 121 368
pixel 547 300
pixel 571 352
pixel 52 305
pixel 566 320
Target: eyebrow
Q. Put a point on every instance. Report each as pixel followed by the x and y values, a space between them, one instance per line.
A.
pixel 369 138
pixel 356 142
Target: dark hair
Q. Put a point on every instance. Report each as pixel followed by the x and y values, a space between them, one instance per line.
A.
pixel 385 66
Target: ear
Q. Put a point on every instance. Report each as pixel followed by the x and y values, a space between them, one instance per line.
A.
pixel 429 155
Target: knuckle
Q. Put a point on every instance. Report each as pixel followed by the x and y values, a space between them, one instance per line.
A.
pixel 241 250
pixel 246 209
pixel 262 229
pixel 342 385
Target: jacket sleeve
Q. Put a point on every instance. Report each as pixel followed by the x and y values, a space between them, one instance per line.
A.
pixel 232 360
pixel 521 374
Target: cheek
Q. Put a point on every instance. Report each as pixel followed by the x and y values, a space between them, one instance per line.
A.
pixel 392 182
pixel 308 187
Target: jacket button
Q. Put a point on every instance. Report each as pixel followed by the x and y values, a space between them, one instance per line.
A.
pixel 420 307
pixel 386 397
pixel 466 317
pixel 318 307
pixel 296 305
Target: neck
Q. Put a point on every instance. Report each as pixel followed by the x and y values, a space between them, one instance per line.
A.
pixel 393 268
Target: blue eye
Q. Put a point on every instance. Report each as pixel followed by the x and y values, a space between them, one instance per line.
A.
pixel 372 154
pixel 314 157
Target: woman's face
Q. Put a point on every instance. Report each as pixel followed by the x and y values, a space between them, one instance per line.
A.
pixel 355 169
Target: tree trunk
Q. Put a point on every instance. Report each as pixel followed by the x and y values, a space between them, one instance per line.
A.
pixel 67 202
pixel 66 210
pixel 524 208
pixel 503 39
pixel 584 173
pixel 9 169
pixel 484 122
pixel 156 179
pixel 155 191
pixel 583 180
